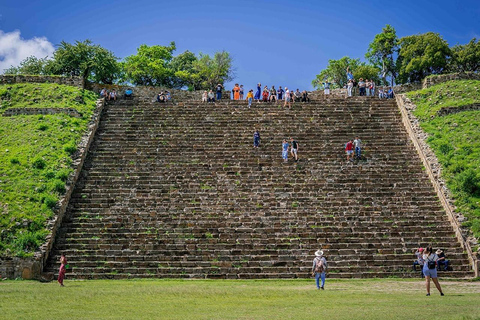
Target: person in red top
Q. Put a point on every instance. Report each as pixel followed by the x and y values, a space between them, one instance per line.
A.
pixel 265 94
pixel 349 150
pixel 63 270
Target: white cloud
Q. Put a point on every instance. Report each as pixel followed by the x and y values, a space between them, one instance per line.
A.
pixel 14 49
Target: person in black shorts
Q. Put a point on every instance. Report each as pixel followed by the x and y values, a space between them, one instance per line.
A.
pixel 273 94
pixel 294 149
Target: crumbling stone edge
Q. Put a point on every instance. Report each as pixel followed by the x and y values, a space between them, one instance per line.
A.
pixel 433 169
pixel 32 268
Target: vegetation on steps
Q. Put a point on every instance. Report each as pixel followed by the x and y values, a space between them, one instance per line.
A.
pixel 35 159
pixel 455 139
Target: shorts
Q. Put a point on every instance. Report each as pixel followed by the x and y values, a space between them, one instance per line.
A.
pixel 294 151
pixel 432 273
pixel 287 99
pixel 326 91
pixel 349 152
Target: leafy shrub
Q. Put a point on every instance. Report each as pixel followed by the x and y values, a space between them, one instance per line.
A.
pixel 50 175
pixel 445 148
pixel 42 127
pixel 26 241
pixel 476 227
pixel 457 167
pixel 14 161
pixel 469 182
pixel 59 186
pixel 63 175
pixel 49 201
pixel 38 163
pixel 70 149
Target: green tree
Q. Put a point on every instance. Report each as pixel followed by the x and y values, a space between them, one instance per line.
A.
pixel 84 59
pixel 421 55
pixel 336 72
pixel 466 57
pixel 367 72
pixel 211 71
pixel 182 68
pixel 33 65
pixel 150 66
pixel 382 49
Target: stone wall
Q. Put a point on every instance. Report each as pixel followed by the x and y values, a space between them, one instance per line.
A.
pixel 433 169
pixel 69 81
pixel 433 80
pixel 151 92
pixel 31 268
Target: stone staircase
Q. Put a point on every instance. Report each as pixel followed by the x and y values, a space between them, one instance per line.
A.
pixel 178 191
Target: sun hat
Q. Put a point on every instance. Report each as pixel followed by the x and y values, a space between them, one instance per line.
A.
pixel 319 253
pixel 420 249
pixel 438 251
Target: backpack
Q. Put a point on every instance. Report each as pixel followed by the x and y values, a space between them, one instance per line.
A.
pixel 431 264
pixel 319 266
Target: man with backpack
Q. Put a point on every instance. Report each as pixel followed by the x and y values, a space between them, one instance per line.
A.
pixel 319 268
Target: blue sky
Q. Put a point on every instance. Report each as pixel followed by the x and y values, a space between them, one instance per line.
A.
pixel 279 42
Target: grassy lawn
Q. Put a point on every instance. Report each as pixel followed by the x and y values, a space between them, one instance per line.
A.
pixel 247 299
pixel 35 159
pixel 455 140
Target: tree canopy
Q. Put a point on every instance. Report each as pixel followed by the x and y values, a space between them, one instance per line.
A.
pixel 382 49
pixel 84 59
pixel 336 71
pixel 149 67
pixel 421 55
pixel 466 57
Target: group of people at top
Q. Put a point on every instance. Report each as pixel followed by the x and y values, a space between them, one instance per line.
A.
pixel 265 95
pixel 112 95
pixel 366 87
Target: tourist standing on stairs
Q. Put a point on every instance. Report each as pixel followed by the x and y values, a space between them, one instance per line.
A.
pixel 241 92
pixel 280 93
pixel 287 98
pixel 349 87
pixel 256 139
pixel 349 74
pixel 236 92
pixel 430 269
pixel 62 270
pixel 294 149
pixel 219 91
pixel 326 87
pixel 285 150
pixel 259 92
pixel 319 268
pixel 349 149
pixel 357 143
pixel 250 97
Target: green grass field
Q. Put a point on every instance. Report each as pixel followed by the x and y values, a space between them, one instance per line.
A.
pixel 455 139
pixel 241 299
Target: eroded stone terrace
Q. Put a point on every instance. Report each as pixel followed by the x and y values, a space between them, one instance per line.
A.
pixel 178 191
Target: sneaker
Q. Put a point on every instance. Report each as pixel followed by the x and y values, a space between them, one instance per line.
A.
pixel 441 293
pixel 322 288
pixel 428 294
